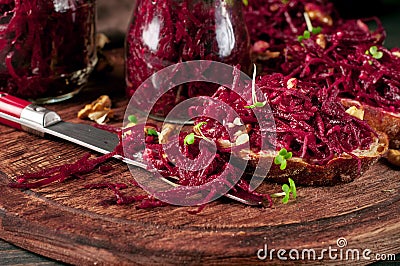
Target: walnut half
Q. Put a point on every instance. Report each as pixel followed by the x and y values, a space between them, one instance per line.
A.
pixel 99 110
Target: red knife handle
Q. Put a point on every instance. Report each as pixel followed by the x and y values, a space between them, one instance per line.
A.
pixel 12 106
pixel 21 114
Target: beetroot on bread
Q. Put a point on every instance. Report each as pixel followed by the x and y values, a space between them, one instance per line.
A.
pixel 381 120
pixel 341 169
pixel 329 145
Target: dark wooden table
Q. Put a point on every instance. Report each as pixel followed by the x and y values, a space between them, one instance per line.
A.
pixel 13 255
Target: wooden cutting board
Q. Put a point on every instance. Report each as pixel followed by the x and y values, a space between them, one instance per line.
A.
pixel 67 222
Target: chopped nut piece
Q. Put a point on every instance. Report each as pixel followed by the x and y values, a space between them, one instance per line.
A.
pixel 242 139
pixel 292 83
pixel 85 111
pixel 224 143
pixel 165 133
pixel 397 53
pixel 230 125
pixel 274 7
pixel 99 110
pixel 393 157
pixel 354 111
pixel 260 46
pixel 238 133
pixel 101 117
pixel 321 41
pixel 237 121
pixel 101 40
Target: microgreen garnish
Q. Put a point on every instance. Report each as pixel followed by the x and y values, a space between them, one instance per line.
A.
pixel 285 1
pixel 198 126
pixel 306 35
pixel 189 139
pixel 316 30
pixel 374 52
pixel 133 119
pixel 287 189
pixel 152 132
pixel 310 29
pixel 256 103
pixel 245 2
pixel 281 158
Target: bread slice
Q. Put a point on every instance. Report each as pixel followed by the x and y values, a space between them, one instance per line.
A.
pixel 342 169
pixel 380 120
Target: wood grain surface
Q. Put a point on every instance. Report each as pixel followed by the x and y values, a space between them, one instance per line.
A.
pixel 67 222
pixel 11 255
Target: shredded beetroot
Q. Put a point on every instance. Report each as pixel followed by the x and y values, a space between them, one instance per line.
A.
pixel 309 121
pixel 337 53
pixel 170 32
pixel 60 173
pixel 277 22
pixel 155 155
pixel 40 44
pixel 243 191
pixel 103 169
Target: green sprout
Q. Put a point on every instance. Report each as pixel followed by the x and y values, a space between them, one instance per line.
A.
pixel 374 52
pixel 133 119
pixel 281 158
pixel 316 30
pixel 310 29
pixel 198 126
pixel 256 103
pixel 245 2
pixel 151 132
pixel 189 139
pixel 307 34
pixel 287 189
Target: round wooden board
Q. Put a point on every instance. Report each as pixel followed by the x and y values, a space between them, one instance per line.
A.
pixel 67 222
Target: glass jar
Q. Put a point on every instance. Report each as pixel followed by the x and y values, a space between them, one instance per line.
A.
pixel 165 32
pixel 47 48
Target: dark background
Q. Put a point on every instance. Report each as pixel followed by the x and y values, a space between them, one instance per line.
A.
pixel 387 10
pixel 113 20
pixel 114 16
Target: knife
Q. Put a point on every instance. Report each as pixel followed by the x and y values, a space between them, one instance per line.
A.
pixel 24 115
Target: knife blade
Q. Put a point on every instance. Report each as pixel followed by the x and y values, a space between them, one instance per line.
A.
pixel 23 115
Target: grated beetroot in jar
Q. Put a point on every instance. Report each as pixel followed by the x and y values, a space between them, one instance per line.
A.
pixel 47 48
pixel 166 32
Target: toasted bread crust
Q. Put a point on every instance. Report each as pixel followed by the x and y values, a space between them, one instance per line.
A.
pixel 380 120
pixel 342 169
